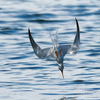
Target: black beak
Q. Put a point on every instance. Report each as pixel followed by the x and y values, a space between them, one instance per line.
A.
pixel 62 73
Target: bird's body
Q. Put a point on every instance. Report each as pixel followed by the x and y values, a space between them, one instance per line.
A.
pixel 57 51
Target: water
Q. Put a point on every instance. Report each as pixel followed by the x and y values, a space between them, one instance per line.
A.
pixel 23 76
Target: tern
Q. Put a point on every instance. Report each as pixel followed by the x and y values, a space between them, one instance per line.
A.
pixel 57 51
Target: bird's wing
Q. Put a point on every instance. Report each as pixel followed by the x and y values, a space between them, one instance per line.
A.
pixel 65 49
pixel 41 53
pixel 72 49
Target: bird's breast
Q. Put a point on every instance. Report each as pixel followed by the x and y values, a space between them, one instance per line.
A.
pixel 59 59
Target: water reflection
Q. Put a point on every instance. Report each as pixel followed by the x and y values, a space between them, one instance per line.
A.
pixel 69 98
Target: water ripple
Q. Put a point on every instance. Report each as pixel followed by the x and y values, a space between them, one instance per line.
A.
pixel 23 75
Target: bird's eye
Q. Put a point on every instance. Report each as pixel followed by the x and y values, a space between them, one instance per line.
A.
pixel 56 53
pixel 60 51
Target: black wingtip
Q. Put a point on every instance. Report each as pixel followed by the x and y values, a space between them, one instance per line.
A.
pixel 76 20
pixel 28 30
pixel 29 33
pixel 77 33
pixel 77 23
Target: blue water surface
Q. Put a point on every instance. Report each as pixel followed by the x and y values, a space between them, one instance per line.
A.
pixel 23 76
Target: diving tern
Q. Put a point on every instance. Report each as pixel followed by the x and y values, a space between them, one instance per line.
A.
pixel 57 51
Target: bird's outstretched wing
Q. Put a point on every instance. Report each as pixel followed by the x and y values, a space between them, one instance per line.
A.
pixel 41 53
pixel 72 49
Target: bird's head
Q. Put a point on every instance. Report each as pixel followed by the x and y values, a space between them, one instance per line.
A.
pixel 61 67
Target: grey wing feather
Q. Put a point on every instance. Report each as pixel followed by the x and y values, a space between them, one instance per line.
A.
pixel 77 37
pixel 65 49
pixel 41 53
pixel 72 49
pixel 48 52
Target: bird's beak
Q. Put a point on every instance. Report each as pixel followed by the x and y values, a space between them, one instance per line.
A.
pixel 62 73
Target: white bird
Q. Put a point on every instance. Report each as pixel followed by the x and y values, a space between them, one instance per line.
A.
pixel 57 51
